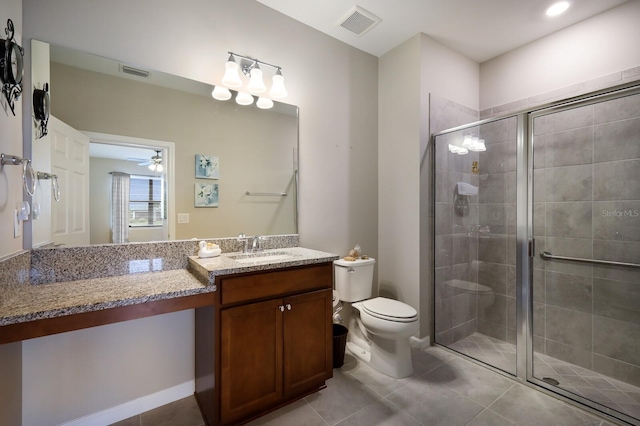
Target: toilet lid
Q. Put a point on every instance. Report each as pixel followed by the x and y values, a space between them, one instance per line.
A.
pixel 389 309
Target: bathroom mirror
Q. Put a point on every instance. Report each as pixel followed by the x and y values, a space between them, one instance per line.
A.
pixel 123 108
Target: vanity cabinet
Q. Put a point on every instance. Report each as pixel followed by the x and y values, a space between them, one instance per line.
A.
pixel 274 345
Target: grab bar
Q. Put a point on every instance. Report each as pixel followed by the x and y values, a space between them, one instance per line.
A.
pixel 280 194
pixel 548 256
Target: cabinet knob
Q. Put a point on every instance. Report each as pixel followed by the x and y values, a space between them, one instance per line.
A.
pixel 288 306
pixel 281 308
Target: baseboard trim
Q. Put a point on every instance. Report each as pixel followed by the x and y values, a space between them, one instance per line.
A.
pixel 135 407
pixel 420 342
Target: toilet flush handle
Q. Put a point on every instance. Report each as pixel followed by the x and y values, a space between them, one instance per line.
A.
pixel 351 270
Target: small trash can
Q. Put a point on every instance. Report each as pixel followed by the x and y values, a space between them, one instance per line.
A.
pixel 339 344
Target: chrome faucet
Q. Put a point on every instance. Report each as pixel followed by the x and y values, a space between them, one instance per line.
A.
pixel 255 244
pixel 245 242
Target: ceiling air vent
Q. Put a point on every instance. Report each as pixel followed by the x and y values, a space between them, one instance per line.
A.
pixel 358 21
pixel 134 71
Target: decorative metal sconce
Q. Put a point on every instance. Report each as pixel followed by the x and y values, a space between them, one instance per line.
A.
pixel 251 68
pixel 11 66
pixel 28 174
pixel 41 109
pixel 55 185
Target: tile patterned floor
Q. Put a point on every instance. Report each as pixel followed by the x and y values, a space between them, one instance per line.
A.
pixel 445 389
pixel 495 352
pixel 607 391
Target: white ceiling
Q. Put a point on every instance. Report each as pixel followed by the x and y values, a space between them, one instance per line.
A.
pixel 119 152
pixel 479 29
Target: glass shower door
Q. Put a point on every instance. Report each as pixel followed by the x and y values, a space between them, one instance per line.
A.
pixel 586 226
pixel 475 244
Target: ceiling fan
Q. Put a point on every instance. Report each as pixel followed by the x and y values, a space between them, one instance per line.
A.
pixel 154 163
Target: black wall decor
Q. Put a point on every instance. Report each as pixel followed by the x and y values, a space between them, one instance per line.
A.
pixel 11 66
pixel 41 109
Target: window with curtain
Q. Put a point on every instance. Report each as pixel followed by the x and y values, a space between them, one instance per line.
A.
pixel 146 201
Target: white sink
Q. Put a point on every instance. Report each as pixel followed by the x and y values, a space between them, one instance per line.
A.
pixel 261 257
pixel 278 258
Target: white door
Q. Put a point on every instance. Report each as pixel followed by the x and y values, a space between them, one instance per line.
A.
pixel 70 161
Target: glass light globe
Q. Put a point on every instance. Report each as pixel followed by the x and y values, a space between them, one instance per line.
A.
pixel 256 84
pixel 278 91
pixel 221 93
pixel 243 98
pixel 231 77
pixel 264 103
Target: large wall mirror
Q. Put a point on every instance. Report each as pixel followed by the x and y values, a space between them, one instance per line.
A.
pixel 141 155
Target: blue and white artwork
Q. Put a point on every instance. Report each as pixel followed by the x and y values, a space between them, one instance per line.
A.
pixel 206 195
pixel 207 167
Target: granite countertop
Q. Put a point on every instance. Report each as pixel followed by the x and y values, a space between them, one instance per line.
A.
pixel 265 260
pixel 33 302
pixel 30 302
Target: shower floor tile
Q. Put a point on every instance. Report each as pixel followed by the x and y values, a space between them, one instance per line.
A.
pixel 612 393
pixel 487 349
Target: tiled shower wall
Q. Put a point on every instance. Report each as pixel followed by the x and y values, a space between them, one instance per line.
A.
pixel 475 250
pixel 497 221
pixel 455 309
pixel 587 204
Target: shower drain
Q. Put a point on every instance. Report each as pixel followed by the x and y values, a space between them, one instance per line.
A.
pixel 551 381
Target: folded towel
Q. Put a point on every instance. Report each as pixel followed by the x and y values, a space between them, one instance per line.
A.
pixel 467 189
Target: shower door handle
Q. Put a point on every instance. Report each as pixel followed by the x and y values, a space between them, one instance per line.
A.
pixel 548 256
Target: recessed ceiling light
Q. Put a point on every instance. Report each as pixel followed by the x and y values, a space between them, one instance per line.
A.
pixel 557 8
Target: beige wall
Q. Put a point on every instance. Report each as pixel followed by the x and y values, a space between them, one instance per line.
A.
pixel 591 49
pixel 404 205
pixel 335 87
pixel 73 374
pixel 255 147
pixel 11 190
pixel 10 193
pixel 399 124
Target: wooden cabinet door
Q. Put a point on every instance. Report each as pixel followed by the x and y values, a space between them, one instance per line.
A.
pixel 308 339
pixel 251 359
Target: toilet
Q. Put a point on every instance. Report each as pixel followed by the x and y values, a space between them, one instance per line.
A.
pixel 385 324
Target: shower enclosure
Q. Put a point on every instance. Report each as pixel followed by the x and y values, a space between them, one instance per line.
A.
pixel 537 247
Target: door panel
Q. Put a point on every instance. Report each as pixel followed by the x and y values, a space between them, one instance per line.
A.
pixel 586 206
pixel 70 162
pixel 475 242
pixel 251 359
pixel 308 336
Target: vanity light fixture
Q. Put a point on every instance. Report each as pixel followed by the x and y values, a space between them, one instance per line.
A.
pixel 455 149
pixel 250 67
pixel 469 143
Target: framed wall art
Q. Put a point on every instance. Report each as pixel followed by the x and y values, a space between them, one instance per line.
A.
pixel 206 195
pixel 207 167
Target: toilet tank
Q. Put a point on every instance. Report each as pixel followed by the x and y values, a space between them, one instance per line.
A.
pixel 354 279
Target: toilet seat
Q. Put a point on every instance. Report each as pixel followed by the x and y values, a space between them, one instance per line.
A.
pixel 389 310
